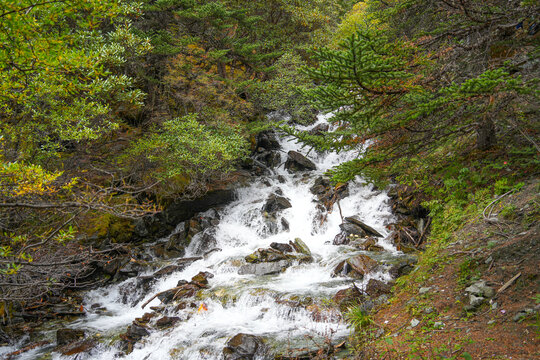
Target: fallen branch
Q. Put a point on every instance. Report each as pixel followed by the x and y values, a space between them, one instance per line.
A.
pixel 159 293
pixel 508 283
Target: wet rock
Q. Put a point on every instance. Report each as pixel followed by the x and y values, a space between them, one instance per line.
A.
pixel 341 239
pixel 376 288
pixel 352 229
pixel 284 248
pixel 300 247
pixel 267 140
pixel 319 129
pixel 281 179
pixel 77 347
pixel 356 267
pixel 367 229
pixel 205 241
pixel 202 278
pixel 271 159
pixel 285 224
pixel 264 268
pixel 298 162
pixel 276 203
pixel 67 336
pixel 368 245
pixel 136 332
pixel 185 290
pixel 244 347
pixel 265 255
pixel 169 269
pixel 167 321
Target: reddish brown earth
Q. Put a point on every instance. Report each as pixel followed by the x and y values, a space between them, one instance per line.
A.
pixel 494 251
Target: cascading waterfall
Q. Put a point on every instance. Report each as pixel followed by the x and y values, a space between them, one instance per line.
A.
pixel 266 306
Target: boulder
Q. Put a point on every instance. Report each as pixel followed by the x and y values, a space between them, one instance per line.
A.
pixel 298 162
pixel 356 267
pixel 264 268
pixel 244 347
pixel 67 336
pixel 367 229
pixel 276 203
pixel 284 248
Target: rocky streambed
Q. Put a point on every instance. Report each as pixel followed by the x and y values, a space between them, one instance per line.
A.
pixel 266 276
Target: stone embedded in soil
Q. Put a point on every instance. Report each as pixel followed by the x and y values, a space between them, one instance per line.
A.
pixel 66 336
pixel 476 301
pixel 276 203
pixel 264 268
pixel 367 229
pixel 401 268
pixel 355 267
pixel 244 347
pixel 298 162
pixel 481 289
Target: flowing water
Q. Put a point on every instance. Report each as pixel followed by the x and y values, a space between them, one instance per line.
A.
pixel 258 305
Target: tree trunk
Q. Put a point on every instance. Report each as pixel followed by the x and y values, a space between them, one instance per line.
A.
pixel 485 134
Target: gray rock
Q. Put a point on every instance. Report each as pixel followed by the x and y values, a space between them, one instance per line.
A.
pixel 438 325
pixel 481 289
pixel 298 162
pixel 414 323
pixel 352 229
pixel 265 268
pixel 368 229
pixel 476 300
pixel 424 290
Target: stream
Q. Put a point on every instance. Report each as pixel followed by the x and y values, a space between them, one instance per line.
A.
pixel 290 309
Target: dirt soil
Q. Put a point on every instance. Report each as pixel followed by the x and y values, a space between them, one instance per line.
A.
pixel 503 247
